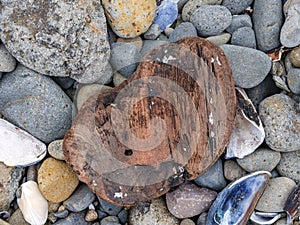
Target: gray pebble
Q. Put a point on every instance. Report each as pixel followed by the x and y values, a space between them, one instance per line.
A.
pixel 289 165
pixel 7 61
pixel 123 216
pixel 181 4
pixel 293 79
pixel 275 195
pixel 239 21
pixel 32 173
pixel 118 78
pixel 185 29
pixel 242 59
pixel 64 82
pixel 80 199
pixel 278 68
pixel 35 103
pixel 55 149
pixel 290 32
pixel 287 62
pixel 236 6
pixel 57 38
pixel 213 178
pixel 168 31
pixel 150 44
pixel 280 116
pixel 153 32
pixel 220 39
pixel 244 36
pixel 202 219
pixel 267 20
pixel 109 208
pixel 232 170
pixel 61 214
pixel 101 214
pixel 124 58
pixel 211 20
pixel 73 218
pixel 261 159
pixel 110 220
pixel 192 5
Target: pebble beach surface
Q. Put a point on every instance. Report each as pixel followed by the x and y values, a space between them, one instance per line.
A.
pixel 55 54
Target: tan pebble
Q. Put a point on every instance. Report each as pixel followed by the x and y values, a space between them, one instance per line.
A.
pixel 91 215
pixel 187 222
pixel 56 180
pixel 295 57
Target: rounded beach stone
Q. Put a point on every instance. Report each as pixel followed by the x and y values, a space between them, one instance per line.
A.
pixel 144 213
pixel 219 39
pixel 187 222
pixel 280 116
pixel 55 149
pixel 239 21
pixel 244 36
pixel 232 170
pixel 131 18
pixel 293 80
pixel 8 62
pixel 275 195
pixel 289 165
pixel 295 57
pixel 267 21
pixel 211 20
pixel 236 6
pixel 35 103
pixel 261 159
pixel 242 60
pixel 185 29
pixel 56 180
pixel 57 38
pixel 73 218
pixel 118 78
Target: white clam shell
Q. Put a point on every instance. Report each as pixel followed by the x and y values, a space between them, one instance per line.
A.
pixel 19 148
pixel 248 132
pixel 32 203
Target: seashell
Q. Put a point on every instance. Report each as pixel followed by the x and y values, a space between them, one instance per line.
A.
pixel 236 202
pixel 264 217
pixel 32 203
pixel 248 132
pixel 281 82
pixel 292 204
pixel 19 148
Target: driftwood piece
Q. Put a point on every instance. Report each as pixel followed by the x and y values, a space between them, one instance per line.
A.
pixel 167 123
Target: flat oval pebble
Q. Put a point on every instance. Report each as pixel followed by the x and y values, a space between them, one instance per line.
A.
pixel 56 180
pixel 188 200
pixel 267 20
pixel 155 213
pixel 236 6
pixel 35 103
pixel 55 149
pixel 261 159
pixel 244 36
pixel 57 38
pixel 187 222
pixel 295 57
pixel 185 29
pixel 8 62
pixel 211 20
pixel 242 59
pixel 275 195
pixel 220 39
pixel 72 219
pixel 239 21
pixel 232 170
pixel 80 199
pixel 289 165
pixel 130 19
pixel 293 80
pixel 280 116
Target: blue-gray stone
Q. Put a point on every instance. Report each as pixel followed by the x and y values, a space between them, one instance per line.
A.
pixel 213 178
pixel 242 59
pixel 110 220
pixel 267 21
pixel 153 32
pixel 150 44
pixel 35 103
pixel 80 199
pixel 236 6
pixel 293 80
pixel 72 219
pixel 211 19
pixel 101 214
pixel 61 214
pixel 124 58
pixel 64 82
pixel 239 21
pixel 244 36
pixel 123 216
pixel 109 208
pixel 166 14
pixel 185 29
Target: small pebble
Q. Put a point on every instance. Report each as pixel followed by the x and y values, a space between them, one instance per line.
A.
pixel 91 215
pixel 150 44
pixel 137 41
pixel 17 218
pixel 185 29
pixel 181 4
pixel 55 149
pixel 279 114
pixel 278 68
pixel 244 36
pixel 168 31
pixel 220 39
pixel 261 159
pixel 61 214
pixel 32 173
pixel 239 21
pixel 295 57
pixel 211 20
pixel 202 219
pixel 56 180
pixel 289 165
pixel 110 220
pixel 236 6
pixel 293 80
pixel 188 200
pixel 109 208
pixel 8 62
pixel 153 32
pixel 275 195
pixel 287 62
pixel 232 170
pixel 80 199
pixel 123 216
pixel 72 219
pixel 187 222
pixel 64 82
pixel 118 79
pixel 101 214
pixel 166 13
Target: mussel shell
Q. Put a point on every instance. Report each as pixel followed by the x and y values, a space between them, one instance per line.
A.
pixel 234 205
pixel 264 218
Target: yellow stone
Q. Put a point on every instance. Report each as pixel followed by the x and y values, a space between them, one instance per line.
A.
pixel 56 180
pixel 129 19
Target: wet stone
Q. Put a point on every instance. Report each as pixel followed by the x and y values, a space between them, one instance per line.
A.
pixel 232 170
pixel 239 21
pixel 244 36
pixel 295 57
pixel 73 218
pixel 293 80
pixel 185 29
pixel 236 6
pixel 289 165
pixel 275 195
pixel 55 149
pixel 7 61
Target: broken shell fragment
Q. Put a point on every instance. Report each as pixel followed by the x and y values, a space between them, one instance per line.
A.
pixel 248 132
pixel 264 217
pixel 32 203
pixel 236 202
pixel 19 148
pixel 292 204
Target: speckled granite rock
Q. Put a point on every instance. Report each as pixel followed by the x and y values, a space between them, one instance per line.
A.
pixel 289 165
